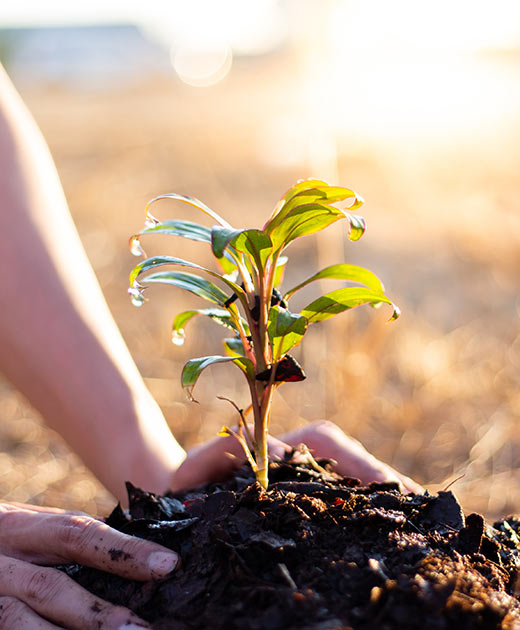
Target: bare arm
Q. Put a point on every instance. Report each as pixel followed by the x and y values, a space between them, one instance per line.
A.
pixel 59 344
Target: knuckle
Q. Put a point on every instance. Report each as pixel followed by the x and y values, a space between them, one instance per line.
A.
pixel 42 585
pixel 11 612
pixel 77 531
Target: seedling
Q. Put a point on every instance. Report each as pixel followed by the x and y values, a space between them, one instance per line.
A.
pixel 248 300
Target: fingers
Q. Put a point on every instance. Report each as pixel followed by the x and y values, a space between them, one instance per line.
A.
pixel 34 594
pixel 54 538
pixel 15 615
pixel 326 439
pixel 216 459
pixel 14 505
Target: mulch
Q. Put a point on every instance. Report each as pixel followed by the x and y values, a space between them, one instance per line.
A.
pixel 317 552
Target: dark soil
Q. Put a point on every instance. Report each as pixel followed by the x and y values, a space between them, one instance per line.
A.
pixel 317 553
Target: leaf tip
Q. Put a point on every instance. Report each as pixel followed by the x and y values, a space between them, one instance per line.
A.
pixel 135 246
pixel 136 295
pixel 189 394
pixel 396 313
pixel 150 221
pixel 178 337
pixel 357 227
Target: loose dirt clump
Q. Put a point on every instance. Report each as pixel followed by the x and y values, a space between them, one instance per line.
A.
pixel 317 552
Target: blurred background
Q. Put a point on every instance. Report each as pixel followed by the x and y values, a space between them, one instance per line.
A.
pixel 415 107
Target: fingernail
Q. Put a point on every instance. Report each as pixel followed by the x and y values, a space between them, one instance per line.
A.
pixel 133 626
pixel 162 563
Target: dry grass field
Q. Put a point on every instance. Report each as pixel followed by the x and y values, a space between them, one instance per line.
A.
pixel 436 393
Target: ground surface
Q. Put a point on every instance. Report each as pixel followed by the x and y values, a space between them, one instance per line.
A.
pixel 318 553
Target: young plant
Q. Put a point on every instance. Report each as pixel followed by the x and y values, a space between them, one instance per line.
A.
pixel 248 300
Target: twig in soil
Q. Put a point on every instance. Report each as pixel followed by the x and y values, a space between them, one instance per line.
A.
pixel 239 436
pixel 225 431
pixel 417 529
pixel 454 481
pixel 309 459
pixel 242 422
pixel 287 576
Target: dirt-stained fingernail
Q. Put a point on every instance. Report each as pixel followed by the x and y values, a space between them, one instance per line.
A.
pixel 162 563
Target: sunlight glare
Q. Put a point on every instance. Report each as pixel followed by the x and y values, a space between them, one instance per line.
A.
pixel 410 67
pixel 203 63
pixel 204 35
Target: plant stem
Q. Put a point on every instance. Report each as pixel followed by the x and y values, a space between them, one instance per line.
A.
pixel 261 434
pixel 261 454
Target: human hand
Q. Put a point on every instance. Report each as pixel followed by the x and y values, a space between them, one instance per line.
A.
pixel 219 457
pixel 326 439
pixel 36 597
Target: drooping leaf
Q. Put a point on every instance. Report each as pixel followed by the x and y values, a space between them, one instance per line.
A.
pixel 185 229
pixel 352 273
pixel 220 316
pixel 285 330
pixel 253 242
pixel 357 226
pixel 189 282
pixel 158 261
pixel 194 367
pixel 192 201
pixel 341 300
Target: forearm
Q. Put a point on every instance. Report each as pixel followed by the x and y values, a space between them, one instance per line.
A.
pixel 58 342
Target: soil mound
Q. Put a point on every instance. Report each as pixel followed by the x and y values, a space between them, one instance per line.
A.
pixel 317 552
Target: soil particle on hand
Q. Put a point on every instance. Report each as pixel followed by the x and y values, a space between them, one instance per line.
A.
pixel 118 554
pixel 315 553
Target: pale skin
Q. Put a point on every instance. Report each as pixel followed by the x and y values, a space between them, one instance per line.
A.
pixel 58 345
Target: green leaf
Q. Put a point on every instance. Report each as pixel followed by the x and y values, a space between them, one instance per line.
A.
pixel 357 226
pixel 194 367
pixel 285 330
pixel 220 239
pixel 322 193
pixel 300 186
pixel 353 273
pixel 185 229
pixel 302 221
pixel 341 300
pixel 330 194
pixel 189 282
pixel 307 219
pixel 192 201
pixel 157 261
pixel 220 316
pixel 252 242
pixel 233 347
